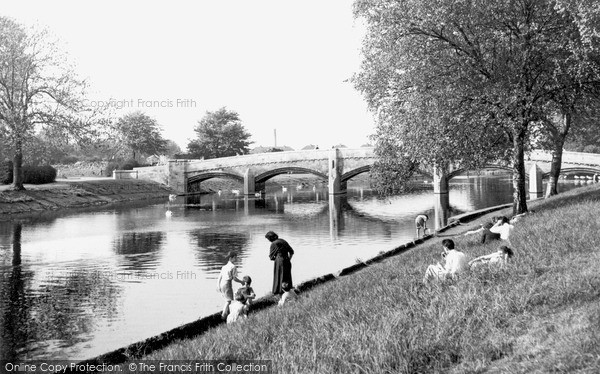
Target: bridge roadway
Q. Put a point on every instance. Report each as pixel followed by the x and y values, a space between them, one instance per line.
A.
pixel 337 165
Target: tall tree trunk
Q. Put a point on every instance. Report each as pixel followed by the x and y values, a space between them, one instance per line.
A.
pixel 17 184
pixel 519 192
pixel 559 141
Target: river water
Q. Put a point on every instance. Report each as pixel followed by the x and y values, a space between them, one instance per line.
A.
pixel 78 284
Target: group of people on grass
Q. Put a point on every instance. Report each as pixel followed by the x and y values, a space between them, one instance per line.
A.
pixel 238 304
pixel 457 262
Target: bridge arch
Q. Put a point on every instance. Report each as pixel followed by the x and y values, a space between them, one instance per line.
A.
pixel 199 178
pixel 459 171
pixel 263 177
pixel 577 169
pixel 353 173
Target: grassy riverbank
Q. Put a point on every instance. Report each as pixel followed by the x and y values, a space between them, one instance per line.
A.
pixel 540 314
pixel 76 194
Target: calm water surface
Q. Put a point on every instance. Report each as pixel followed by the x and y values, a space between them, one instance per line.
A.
pixel 77 285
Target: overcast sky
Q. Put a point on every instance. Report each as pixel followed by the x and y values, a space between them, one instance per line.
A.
pixel 280 64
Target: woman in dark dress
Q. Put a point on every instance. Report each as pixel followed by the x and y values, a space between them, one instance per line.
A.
pixel 280 252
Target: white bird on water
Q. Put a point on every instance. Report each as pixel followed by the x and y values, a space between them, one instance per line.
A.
pixel 172 197
pixel 283 188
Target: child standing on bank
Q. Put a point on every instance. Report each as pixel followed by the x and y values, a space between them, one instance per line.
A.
pixel 224 283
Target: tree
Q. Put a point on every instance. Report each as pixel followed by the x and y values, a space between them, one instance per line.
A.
pixel 38 89
pixel 140 134
pixel 467 74
pixel 172 148
pixel 219 134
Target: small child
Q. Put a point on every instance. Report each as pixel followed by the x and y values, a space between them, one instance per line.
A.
pixel 289 293
pixel 237 308
pixel 247 290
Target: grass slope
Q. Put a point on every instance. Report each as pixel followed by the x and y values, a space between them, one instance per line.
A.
pixel 539 315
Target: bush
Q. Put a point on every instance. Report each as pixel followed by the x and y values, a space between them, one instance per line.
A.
pixel 123 165
pixel 591 149
pixel 6 172
pixel 66 160
pixel 108 171
pixel 39 174
pixel 129 165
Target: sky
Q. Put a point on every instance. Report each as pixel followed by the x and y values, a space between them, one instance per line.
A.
pixel 282 65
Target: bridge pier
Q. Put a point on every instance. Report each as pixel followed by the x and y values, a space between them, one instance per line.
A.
pixel 442 210
pixel 536 190
pixel 249 185
pixel 440 180
pixel 177 180
pixel 335 175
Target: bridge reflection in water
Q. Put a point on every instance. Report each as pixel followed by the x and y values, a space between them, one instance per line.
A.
pixel 359 205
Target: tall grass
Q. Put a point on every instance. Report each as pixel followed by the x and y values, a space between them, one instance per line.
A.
pixel 539 314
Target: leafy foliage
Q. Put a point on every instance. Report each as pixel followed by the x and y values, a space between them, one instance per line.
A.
pixel 219 134
pixel 466 82
pixel 39 174
pixel 6 172
pixel 39 90
pixel 140 134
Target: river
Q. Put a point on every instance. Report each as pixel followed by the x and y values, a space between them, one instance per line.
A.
pixel 77 284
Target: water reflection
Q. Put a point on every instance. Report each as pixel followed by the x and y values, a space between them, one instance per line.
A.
pixel 49 308
pixel 212 248
pixel 139 251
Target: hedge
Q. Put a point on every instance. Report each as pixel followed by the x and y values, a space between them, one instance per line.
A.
pixel 31 174
pixel 6 172
pixel 123 165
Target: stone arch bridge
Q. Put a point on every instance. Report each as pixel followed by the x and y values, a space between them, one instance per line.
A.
pixel 337 165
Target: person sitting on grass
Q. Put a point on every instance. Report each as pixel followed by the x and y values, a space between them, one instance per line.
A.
pixel 503 228
pixel 289 294
pixel 456 262
pixel 486 235
pixel 238 308
pixel 500 257
pixel 247 291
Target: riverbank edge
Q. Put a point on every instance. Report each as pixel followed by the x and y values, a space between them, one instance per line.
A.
pixel 200 326
pixel 68 195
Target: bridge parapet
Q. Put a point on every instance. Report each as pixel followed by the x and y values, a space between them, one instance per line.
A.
pixel 576 158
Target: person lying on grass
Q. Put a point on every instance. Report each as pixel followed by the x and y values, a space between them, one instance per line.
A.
pixel 456 262
pixel 500 257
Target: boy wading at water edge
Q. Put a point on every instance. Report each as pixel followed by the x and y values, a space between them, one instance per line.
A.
pixel 421 223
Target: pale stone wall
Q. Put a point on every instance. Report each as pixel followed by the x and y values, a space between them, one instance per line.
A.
pixel 158 173
pixel 80 169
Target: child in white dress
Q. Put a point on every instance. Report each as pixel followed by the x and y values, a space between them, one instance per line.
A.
pixel 289 294
pixel 238 308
